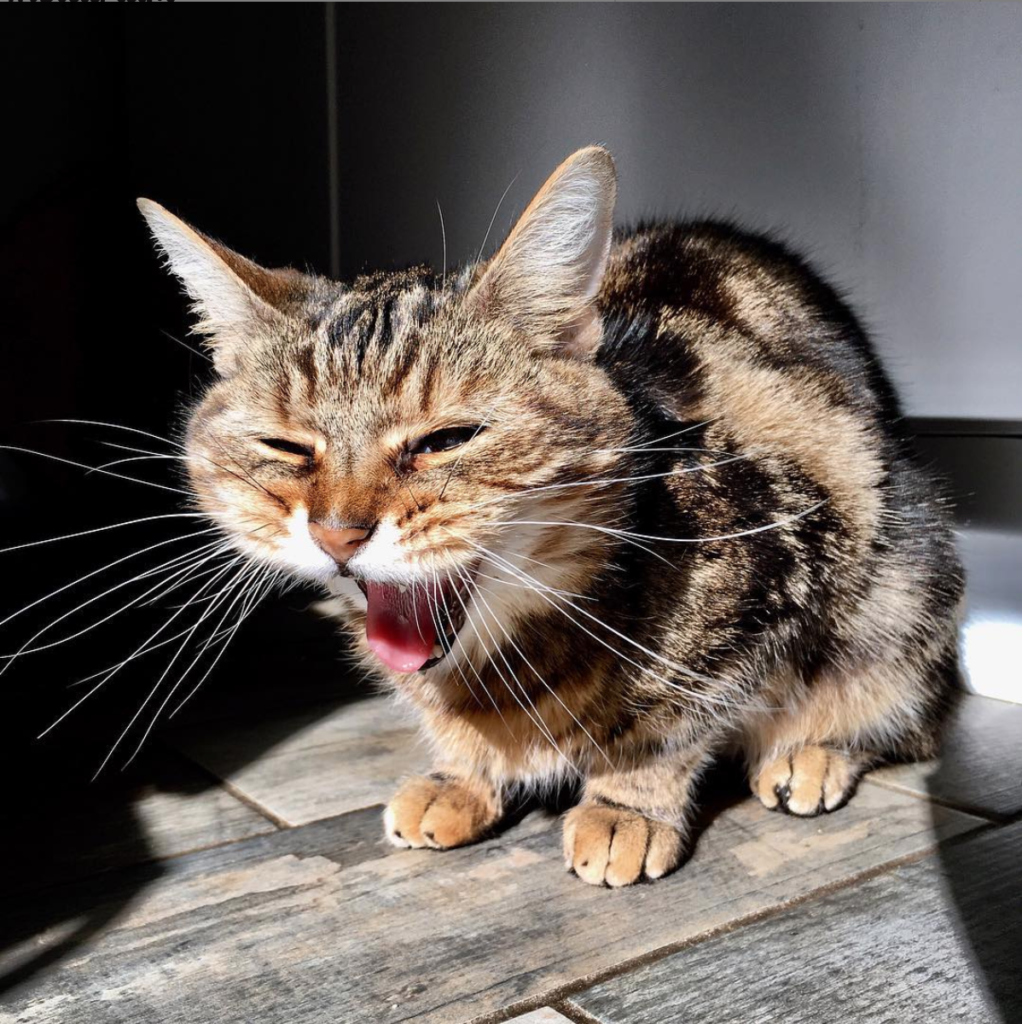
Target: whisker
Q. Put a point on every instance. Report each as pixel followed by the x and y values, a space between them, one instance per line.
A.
pixel 537 718
pixel 136 458
pixel 443 234
pixel 523 586
pixel 101 529
pixel 184 344
pixel 94 469
pixel 270 581
pixel 604 481
pixel 549 688
pixel 489 227
pixel 118 426
pixel 27 649
pixel 468 660
pixel 674 666
pixel 674 540
pixel 170 665
pixel 237 583
pixel 78 703
pixel 434 611
pixel 104 568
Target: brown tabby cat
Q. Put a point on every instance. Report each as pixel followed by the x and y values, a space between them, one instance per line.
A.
pixel 600 508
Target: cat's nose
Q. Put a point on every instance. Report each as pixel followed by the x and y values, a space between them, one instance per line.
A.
pixel 340 545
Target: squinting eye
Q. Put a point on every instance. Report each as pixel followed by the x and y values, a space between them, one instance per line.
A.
pixel 444 440
pixel 281 444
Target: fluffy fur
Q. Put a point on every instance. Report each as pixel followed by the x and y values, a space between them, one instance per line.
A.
pixel 683 516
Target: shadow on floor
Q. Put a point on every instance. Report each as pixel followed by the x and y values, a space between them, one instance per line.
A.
pixel 983 881
pixel 77 855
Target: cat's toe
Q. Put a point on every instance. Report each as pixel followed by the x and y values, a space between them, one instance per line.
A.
pixel 439 813
pixel 807 781
pixel 614 846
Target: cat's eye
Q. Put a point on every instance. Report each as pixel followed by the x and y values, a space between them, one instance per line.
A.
pixel 444 440
pixel 282 444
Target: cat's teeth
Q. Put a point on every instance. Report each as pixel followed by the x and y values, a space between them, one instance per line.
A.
pixel 403 588
pixel 437 651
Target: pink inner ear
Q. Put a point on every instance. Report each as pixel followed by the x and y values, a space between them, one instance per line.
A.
pixel 547 273
pixel 583 338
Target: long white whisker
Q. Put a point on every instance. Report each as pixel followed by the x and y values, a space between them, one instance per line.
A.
pixel 184 344
pixel 170 665
pixel 677 433
pixel 443 233
pixel 101 529
pixel 604 482
pixel 468 660
pixel 270 581
pixel 26 648
pixel 489 227
pixel 112 673
pixel 237 583
pixel 524 586
pixel 434 611
pixel 674 666
pixel 536 673
pixel 673 540
pixel 137 458
pixel 536 718
pixel 119 426
pixel 82 465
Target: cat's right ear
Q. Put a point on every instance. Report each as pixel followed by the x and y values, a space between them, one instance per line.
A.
pixel 231 296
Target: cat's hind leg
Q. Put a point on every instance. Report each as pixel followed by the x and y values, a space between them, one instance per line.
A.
pixel 808 780
pixel 809 744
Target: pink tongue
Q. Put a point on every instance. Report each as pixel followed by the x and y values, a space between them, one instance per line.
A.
pixel 399 626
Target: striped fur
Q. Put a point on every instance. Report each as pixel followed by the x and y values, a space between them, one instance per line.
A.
pixel 691 524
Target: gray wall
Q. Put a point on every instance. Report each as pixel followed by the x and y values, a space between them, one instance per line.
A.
pixel 886 140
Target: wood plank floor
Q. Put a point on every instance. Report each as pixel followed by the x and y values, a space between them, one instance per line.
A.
pixel 249 882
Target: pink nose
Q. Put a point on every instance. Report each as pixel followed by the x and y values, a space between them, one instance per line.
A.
pixel 340 545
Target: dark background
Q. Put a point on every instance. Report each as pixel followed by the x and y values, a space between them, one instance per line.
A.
pixel 886 141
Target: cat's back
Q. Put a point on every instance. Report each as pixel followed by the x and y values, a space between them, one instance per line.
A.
pixel 716 323
pixel 708 324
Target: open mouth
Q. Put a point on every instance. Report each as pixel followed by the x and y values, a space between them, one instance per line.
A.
pixel 412 627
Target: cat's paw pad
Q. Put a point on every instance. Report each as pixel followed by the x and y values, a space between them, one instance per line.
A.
pixel 615 846
pixel 806 782
pixel 438 812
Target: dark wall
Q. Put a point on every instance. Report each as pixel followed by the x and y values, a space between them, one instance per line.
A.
pixel 225 125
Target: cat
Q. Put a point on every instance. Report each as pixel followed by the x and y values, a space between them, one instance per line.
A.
pixel 601 508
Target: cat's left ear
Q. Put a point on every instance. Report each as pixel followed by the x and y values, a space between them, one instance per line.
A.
pixel 545 277
pixel 237 303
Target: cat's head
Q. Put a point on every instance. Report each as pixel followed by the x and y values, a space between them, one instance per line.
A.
pixel 409 439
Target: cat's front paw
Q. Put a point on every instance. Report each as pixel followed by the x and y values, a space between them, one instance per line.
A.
pixel 440 812
pixel 615 846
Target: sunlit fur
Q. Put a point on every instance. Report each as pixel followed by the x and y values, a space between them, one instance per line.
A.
pixel 689 516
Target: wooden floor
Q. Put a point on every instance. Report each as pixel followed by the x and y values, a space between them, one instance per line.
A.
pixel 248 882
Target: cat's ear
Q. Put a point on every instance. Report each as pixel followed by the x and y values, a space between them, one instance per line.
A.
pixel 545 277
pixel 232 297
